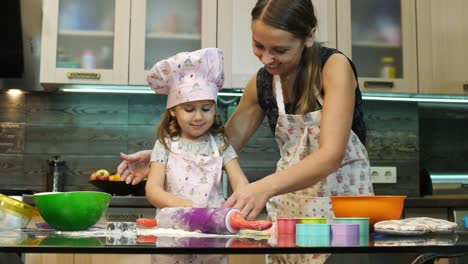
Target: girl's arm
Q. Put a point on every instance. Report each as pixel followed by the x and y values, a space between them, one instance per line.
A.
pixel 339 86
pixel 235 174
pixel 155 192
pixel 246 118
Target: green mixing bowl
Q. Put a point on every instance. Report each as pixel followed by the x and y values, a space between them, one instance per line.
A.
pixel 72 211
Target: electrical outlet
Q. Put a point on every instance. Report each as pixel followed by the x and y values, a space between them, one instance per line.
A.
pixel 383 174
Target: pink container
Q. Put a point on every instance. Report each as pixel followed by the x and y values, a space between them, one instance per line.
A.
pixel 286 241
pixel 287 226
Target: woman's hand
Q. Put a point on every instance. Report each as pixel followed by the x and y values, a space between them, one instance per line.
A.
pixel 134 167
pixel 250 200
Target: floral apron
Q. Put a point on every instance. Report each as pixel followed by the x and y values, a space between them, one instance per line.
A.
pixel 297 137
pixel 195 177
pixel 198 178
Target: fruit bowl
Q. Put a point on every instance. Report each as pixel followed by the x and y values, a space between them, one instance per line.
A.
pixel 377 208
pixel 72 211
pixel 120 187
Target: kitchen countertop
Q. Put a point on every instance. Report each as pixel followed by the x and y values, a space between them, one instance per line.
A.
pixel 41 241
pixel 438 201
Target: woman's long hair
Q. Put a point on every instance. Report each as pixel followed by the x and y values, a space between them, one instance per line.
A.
pixel 298 18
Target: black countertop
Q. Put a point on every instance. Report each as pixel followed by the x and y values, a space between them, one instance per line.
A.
pixel 40 241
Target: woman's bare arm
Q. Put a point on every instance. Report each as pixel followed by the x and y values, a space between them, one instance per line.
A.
pixel 246 118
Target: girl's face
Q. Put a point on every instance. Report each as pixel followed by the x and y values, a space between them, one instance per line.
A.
pixel 194 118
pixel 279 50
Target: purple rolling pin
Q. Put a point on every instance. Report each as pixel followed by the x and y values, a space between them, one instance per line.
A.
pixel 206 220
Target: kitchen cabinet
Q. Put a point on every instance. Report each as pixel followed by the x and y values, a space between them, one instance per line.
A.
pixel 116 41
pixel 380 37
pixel 234 37
pixel 442 54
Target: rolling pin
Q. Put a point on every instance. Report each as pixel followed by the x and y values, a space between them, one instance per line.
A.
pixel 207 220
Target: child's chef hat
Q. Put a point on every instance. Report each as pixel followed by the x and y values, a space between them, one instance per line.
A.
pixel 189 76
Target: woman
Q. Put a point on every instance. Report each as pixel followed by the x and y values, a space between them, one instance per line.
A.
pixel 311 98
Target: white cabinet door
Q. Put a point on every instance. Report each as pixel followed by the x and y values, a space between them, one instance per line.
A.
pixel 161 28
pixel 235 37
pixel 114 42
pixel 442 40
pixel 85 41
pixel 380 37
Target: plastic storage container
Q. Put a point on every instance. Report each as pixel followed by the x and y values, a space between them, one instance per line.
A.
pixel 13 213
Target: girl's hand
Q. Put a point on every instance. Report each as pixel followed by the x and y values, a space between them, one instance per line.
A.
pixel 249 199
pixel 134 167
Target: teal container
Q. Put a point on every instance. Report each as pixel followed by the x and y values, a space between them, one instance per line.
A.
pixel 364 240
pixel 363 223
pixel 312 229
pixel 313 241
pixel 313 235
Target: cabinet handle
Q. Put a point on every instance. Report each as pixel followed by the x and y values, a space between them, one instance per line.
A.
pixel 465 86
pixel 374 84
pixel 84 75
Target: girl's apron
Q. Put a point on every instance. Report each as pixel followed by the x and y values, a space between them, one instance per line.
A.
pixel 297 137
pixel 198 178
pixel 194 176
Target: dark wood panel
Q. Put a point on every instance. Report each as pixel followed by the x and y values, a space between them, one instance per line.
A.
pixel 11 138
pixel 391 116
pixel 12 108
pixel 76 172
pixel 141 137
pixel 146 109
pixel 11 168
pixel 72 108
pixel 84 139
pixel 397 145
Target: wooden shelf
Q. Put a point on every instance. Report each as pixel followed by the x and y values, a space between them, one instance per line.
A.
pixel 164 35
pixel 375 44
pixel 86 33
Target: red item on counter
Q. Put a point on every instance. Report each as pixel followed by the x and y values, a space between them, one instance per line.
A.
pixel 147 222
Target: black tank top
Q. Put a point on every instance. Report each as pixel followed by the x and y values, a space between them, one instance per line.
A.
pixel 267 100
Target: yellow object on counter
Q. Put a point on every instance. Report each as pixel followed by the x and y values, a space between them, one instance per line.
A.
pixel 14 213
pixel 312 220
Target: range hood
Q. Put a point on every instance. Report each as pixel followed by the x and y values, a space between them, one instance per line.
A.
pixel 30 25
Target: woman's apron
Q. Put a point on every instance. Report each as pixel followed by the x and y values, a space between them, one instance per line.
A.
pixel 297 137
pixel 198 178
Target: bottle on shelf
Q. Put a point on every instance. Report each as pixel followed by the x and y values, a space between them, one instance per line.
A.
pixel 88 60
pixel 388 68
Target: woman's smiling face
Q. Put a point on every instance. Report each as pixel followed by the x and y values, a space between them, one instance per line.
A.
pixel 279 50
pixel 194 118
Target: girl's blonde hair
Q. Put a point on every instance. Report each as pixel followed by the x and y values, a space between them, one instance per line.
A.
pixel 169 129
pixel 298 18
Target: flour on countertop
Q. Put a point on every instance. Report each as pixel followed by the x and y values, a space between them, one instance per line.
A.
pixel 159 232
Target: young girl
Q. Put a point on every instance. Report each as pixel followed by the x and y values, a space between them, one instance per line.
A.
pixel 191 149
